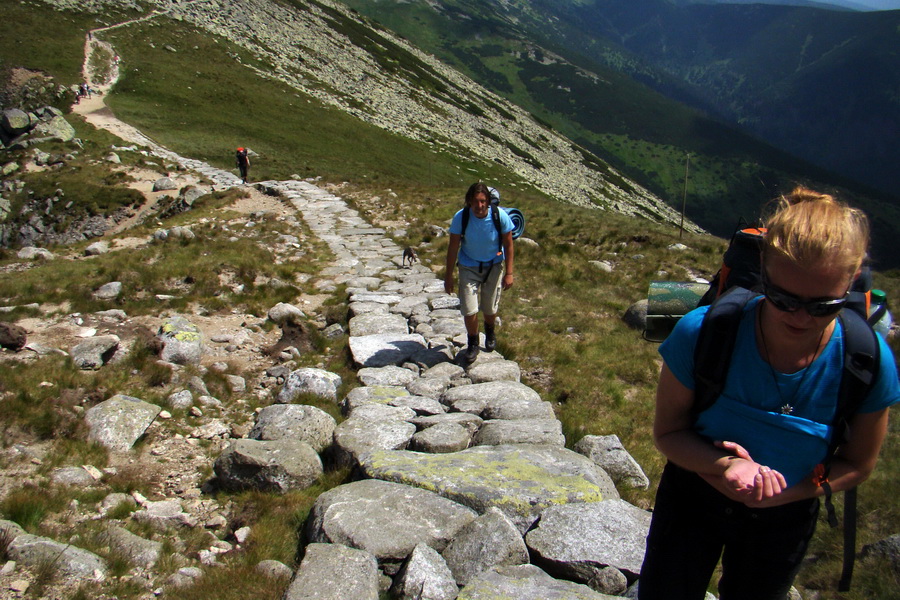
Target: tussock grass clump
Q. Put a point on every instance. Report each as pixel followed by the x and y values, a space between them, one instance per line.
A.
pixel 29 505
pixel 220 583
pixel 75 451
pixel 45 574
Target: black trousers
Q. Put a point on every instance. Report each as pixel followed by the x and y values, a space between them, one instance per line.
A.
pixel 694 525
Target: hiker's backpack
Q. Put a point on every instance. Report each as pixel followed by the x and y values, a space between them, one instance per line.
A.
pixel 712 359
pixel 741 268
pixel 495 196
pixel 740 264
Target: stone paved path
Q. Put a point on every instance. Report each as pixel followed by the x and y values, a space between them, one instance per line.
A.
pixel 496 447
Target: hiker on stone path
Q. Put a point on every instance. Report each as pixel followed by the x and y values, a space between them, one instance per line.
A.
pixel 741 476
pixel 242 160
pixel 482 244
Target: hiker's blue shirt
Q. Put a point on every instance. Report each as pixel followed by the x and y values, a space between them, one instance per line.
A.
pixel 480 244
pixel 751 410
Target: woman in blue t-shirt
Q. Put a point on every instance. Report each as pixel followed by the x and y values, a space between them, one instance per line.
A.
pixel 739 483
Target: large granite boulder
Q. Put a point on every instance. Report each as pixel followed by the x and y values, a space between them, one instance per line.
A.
pixel 119 422
pixel 294 421
pixel 278 465
pixel 94 352
pixel 56 128
pixel 182 341
pixel 12 337
pixel 385 519
pixel 490 540
pixel 69 561
pixel 317 382
pixel 15 121
pixel 425 574
pixel 609 453
pixel 580 541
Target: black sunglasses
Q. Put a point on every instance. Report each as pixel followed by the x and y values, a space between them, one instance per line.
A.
pixel 787 302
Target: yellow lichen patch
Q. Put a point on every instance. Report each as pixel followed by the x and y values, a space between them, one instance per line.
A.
pixel 513 480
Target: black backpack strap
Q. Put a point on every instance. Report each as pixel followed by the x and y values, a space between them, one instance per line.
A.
pixel 495 217
pixel 862 355
pixel 877 314
pixel 849 539
pixel 715 345
pixel 465 222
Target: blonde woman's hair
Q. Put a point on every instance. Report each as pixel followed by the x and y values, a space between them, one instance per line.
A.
pixel 810 228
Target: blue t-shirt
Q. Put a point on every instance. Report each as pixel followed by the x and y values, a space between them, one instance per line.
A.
pixel 481 242
pixel 751 409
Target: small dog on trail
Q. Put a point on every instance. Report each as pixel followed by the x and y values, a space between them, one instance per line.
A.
pixel 409 255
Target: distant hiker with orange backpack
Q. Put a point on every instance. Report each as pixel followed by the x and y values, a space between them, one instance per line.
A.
pixel 242 160
pixel 481 242
pixel 752 448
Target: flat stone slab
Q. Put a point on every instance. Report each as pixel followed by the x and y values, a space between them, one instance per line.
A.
pixel 521 431
pixel 334 572
pixel 373 323
pixel 493 396
pixel 390 375
pixel 521 480
pixel 385 519
pixel 381 350
pixel 376 298
pixel 371 394
pixel 357 436
pixel 495 370
pixel 526 582
pixel 270 465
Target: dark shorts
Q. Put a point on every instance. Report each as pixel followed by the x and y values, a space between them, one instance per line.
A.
pixel 694 525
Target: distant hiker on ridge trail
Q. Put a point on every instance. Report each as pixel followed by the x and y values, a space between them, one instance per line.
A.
pixel 481 240
pixel 242 160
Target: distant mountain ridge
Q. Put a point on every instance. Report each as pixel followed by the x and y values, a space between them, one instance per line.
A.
pixel 832 5
pixel 820 84
pixel 571 64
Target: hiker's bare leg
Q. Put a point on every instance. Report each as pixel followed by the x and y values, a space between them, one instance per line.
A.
pixel 472 324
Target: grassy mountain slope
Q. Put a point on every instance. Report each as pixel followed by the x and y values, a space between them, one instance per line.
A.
pixel 572 80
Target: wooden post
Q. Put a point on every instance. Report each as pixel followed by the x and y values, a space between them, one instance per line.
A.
pixel 687 162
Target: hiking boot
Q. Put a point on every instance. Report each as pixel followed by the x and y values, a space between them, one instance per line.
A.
pixel 490 339
pixel 471 351
pixel 470 354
